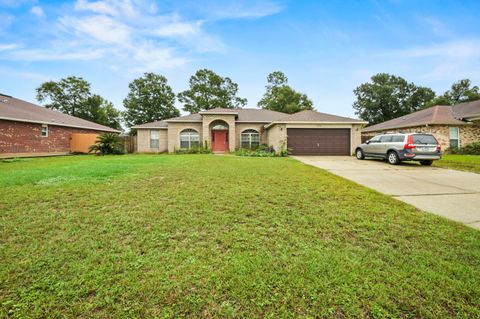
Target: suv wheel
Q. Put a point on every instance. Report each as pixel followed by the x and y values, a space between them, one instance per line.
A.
pixel 426 163
pixel 359 154
pixel 392 158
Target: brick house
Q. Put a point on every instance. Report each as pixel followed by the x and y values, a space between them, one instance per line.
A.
pixel 225 130
pixel 28 129
pixel 453 126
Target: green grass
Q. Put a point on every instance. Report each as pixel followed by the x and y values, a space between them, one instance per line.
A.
pixel 469 163
pixel 221 236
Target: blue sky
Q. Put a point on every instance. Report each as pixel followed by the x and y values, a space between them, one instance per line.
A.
pixel 326 48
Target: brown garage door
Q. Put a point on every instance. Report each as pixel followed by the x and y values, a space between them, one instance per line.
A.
pixel 332 141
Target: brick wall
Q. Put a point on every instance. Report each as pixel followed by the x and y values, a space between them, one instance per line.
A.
pixel 20 137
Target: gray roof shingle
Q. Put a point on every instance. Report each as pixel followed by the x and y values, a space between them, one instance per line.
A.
pixel 14 109
pixel 314 116
pixel 439 114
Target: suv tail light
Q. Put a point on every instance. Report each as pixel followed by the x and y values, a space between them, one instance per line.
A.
pixel 409 144
pixel 439 147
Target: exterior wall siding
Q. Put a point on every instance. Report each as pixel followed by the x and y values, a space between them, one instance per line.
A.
pixel 259 127
pixel 143 141
pixel 277 135
pixel 229 119
pixel 173 133
pixel 468 133
pixel 21 137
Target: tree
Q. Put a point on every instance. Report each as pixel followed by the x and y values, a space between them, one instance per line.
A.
pixel 101 111
pixel 459 92
pixel 67 95
pixel 387 97
pixel 106 143
pixel 150 99
pixel 209 90
pixel 280 97
pixel 72 96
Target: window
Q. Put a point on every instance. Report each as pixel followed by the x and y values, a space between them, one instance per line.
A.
pixel 250 139
pixel 454 137
pixel 386 139
pixel 44 130
pixel 398 139
pixel 426 139
pixel 189 138
pixel 375 139
pixel 154 139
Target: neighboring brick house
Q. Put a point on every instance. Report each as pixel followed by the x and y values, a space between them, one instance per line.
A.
pixel 453 126
pixel 29 129
pixel 225 130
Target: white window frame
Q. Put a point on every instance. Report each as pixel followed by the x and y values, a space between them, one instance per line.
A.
pixel 191 136
pixel 157 140
pixel 450 135
pixel 248 133
pixel 44 126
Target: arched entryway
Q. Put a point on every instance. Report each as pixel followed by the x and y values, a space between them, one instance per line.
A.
pixel 219 133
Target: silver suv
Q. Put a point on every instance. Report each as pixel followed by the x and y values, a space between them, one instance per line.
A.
pixel 402 147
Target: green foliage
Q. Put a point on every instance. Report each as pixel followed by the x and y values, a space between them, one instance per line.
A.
pixel 69 95
pixel 209 90
pixel 469 149
pixel 107 143
pixel 203 149
pixel 387 97
pixel 72 96
pixel 280 97
pixel 262 151
pixel 460 92
pixel 150 99
pixel 101 111
pixel 158 236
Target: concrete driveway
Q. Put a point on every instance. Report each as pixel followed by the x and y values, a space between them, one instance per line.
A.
pixel 445 192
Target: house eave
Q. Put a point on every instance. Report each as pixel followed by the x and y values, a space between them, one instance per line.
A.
pixel 60 124
pixel 315 122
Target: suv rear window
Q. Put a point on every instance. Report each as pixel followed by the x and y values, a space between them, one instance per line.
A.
pixel 423 139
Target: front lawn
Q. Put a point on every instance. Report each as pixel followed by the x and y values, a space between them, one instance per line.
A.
pixel 221 236
pixel 469 163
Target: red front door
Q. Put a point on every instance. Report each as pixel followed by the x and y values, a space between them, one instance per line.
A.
pixel 220 141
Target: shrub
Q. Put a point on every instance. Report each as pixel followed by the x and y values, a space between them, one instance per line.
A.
pixel 204 149
pixel 107 143
pixel 469 149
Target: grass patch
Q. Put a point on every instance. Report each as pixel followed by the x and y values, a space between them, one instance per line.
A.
pixel 469 163
pixel 221 236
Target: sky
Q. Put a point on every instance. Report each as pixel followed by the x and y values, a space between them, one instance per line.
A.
pixel 326 48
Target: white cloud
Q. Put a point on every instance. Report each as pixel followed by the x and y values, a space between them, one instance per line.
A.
pixel 460 49
pixel 178 29
pixel 96 6
pixel 245 9
pixel 38 11
pixel 99 27
pixel 54 55
pixel 9 46
pixel 130 35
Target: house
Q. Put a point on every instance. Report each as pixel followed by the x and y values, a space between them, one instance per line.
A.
pixel 453 126
pixel 225 130
pixel 28 129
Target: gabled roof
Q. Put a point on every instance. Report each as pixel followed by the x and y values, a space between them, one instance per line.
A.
pixel 14 109
pixel 310 116
pixel 438 114
pixel 467 110
pixel 241 115
pixel 314 116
